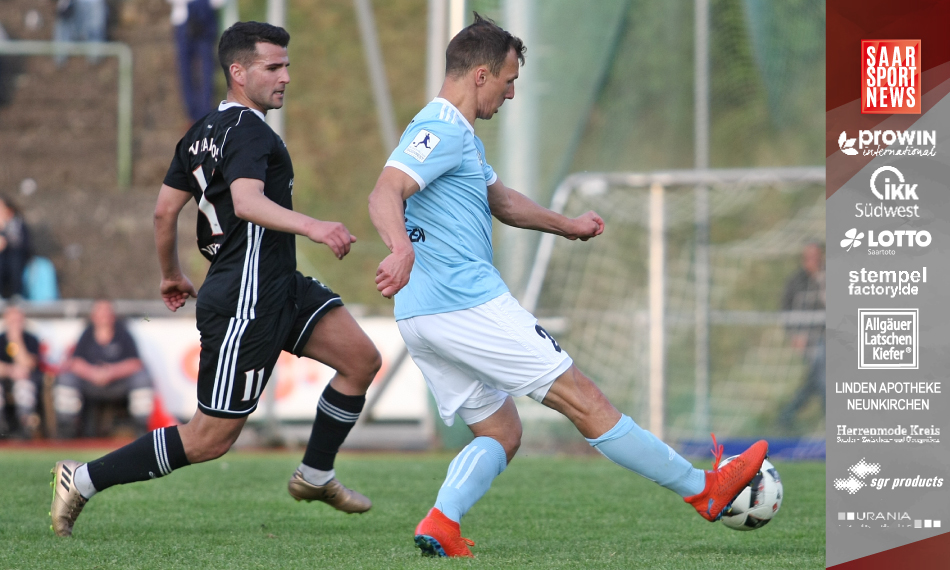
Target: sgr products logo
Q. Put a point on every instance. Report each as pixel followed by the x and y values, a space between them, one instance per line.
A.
pixel 860 471
pixel 886 239
pixel 890 76
pixel 888 338
pixel 889 143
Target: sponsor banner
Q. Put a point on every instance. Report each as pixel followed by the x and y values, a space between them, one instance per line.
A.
pixel 170 349
pixel 888 306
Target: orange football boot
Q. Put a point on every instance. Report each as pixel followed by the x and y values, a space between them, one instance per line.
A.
pixel 438 535
pixel 724 484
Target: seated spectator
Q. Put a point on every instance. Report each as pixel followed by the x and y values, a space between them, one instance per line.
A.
pixel 14 249
pixel 104 368
pixel 80 21
pixel 20 376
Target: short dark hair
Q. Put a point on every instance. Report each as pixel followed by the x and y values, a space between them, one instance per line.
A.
pixel 239 43
pixel 483 42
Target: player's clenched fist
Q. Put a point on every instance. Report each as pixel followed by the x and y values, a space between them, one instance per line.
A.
pixel 586 226
pixel 334 235
pixel 393 272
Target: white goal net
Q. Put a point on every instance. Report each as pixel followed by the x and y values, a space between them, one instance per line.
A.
pixel 681 359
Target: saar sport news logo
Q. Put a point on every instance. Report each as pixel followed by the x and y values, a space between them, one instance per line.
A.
pixel 896 196
pixel 877 143
pixel 890 77
pixel 859 472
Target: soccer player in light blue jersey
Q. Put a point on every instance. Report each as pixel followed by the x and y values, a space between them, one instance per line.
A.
pixel 476 346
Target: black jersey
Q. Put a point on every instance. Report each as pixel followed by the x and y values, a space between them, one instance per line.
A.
pixel 251 268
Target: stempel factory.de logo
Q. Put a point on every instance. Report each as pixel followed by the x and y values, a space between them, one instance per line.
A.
pixel 890 76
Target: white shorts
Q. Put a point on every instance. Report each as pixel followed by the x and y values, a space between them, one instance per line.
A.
pixel 475 358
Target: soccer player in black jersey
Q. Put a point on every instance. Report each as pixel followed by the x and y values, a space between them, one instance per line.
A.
pixel 253 303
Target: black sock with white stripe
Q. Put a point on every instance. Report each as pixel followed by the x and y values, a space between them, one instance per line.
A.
pixel 336 414
pixel 151 456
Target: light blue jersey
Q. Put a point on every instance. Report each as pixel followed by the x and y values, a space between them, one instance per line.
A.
pixel 448 220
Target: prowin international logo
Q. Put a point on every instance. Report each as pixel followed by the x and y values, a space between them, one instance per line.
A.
pixel 877 143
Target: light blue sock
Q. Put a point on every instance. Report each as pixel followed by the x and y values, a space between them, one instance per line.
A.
pixel 631 446
pixel 470 475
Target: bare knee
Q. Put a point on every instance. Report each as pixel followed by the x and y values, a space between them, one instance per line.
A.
pixel 504 426
pixel 360 372
pixel 203 449
pixel 581 401
pixel 511 442
pixel 205 440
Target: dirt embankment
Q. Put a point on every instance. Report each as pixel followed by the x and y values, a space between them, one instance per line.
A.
pixel 58 133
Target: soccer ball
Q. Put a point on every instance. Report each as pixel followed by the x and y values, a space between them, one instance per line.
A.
pixel 758 502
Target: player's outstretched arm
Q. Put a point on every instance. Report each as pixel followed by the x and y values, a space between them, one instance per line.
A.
pixel 175 287
pixel 252 205
pixel 515 209
pixel 386 211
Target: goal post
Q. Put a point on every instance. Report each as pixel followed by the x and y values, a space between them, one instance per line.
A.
pixel 630 297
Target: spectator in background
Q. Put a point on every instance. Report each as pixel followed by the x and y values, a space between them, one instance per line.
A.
pixel 20 376
pixel 805 291
pixel 104 367
pixel 39 278
pixel 196 33
pixel 9 68
pixel 80 21
pixel 14 249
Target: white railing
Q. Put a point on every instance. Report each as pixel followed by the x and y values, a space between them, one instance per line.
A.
pixel 93 49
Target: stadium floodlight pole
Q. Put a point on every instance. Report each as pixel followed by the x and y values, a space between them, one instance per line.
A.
pixel 657 288
pixel 118 50
pixel 377 74
pixel 446 18
pixel 519 141
pixel 435 47
pixel 701 198
pixel 230 15
pixel 277 16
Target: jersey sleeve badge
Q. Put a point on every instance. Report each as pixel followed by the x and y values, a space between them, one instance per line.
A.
pixel 421 146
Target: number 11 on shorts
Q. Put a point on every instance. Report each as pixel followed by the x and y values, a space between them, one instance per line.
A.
pixel 253 384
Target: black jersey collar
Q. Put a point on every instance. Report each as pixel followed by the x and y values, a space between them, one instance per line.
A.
pixel 229 104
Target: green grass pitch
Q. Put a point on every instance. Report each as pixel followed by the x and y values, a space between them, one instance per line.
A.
pixel 542 512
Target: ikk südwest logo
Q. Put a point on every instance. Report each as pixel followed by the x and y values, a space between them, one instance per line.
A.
pixel 890 77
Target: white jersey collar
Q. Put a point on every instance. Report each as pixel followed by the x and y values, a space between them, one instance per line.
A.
pixel 228 104
pixel 460 115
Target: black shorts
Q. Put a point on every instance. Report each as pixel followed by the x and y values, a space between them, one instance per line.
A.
pixel 238 355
